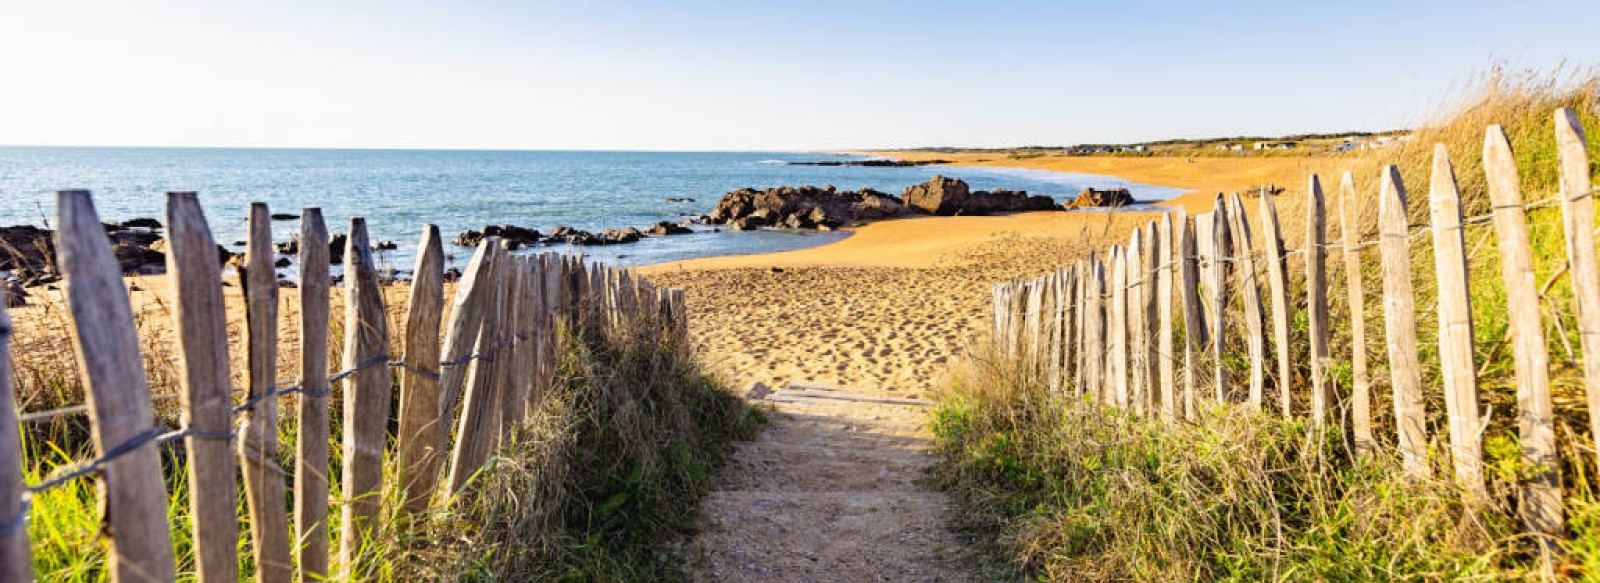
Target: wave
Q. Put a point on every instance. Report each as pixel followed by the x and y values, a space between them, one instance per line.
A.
pixel 773 162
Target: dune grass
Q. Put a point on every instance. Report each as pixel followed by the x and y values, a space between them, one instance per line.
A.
pixel 1069 491
pixel 606 472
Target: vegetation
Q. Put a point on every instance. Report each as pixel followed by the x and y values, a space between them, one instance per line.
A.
pixel 609 469
pixel 1073 492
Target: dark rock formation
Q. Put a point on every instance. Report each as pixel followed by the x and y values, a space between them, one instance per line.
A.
pixel 806 207
pixel 26 248
pixel 680 200
pixel 140 223
pixel 665 228
pixel 518 236
pixel 285 217
pixel 951 196
pixel 336 245
pixel 1101 198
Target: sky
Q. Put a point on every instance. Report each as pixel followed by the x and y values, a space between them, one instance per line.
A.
pixel 748 75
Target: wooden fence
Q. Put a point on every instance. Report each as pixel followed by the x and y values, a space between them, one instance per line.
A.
pixel 1106 327
pixel 457 400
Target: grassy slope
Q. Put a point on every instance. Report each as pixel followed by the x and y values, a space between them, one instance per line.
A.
pixel 1024 470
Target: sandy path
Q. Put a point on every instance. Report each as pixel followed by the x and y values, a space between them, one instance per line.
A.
pixel 830 491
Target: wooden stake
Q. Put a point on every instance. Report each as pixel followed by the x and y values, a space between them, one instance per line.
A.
pixel 1400 323
pixel 461 336
pixel 368 395
pixel 1317 299
pixel 201 321
pixel 1165 265
pixel 1250 292
pixel 1118 360
pixel 1219 297
pixel 311 446
pixel 417 444
pixel 16 560
pixel 476 428
pixel 1541 501
pixel 1361 385
pixel 1194 328
pixel 1457 371
pixel 1577 215
pixel 1138 380
pixel 1278 293
pixel 258 444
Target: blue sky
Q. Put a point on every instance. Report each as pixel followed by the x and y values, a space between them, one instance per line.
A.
pixel 747 75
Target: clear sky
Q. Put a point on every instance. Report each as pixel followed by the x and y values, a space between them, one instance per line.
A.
pixel 751 74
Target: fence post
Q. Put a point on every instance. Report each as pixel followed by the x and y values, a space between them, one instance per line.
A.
pixel 1138 380
pixel 16 561
pixel 1400 323
pixel 476 427
pixel 1164 268
pixel 368 395
pixel 418 440
pixel 1095 363
pixel 1194 329
pixel 1278 292
pixel 1361 385
pixel 311 446
pixel 201 321
pixel 132 492
pixel 1219 297
pixel 1032 322
pixel 1149 292
pixel 1577 214
pixel 258 443
pixel 519 377
pixel 1250 292
pixel 1080 333
pixel 1541 501
pixel 1118 360
pixel 461 334
pixel 1457 371
pixel 1317 299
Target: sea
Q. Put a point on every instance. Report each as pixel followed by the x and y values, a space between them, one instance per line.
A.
pixel 399 191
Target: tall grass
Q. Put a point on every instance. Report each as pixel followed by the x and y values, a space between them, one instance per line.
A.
pixel 608 467
pixel 1069 491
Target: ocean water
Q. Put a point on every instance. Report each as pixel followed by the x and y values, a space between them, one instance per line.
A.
pixel 398 191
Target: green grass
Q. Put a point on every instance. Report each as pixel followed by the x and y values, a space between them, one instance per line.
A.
pixel 608 470
pixel 1073 492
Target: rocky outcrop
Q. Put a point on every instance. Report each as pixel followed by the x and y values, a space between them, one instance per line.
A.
pixel 1091 197
pixel 517 236
pixel 806 207
pixel 26 249
pixel 952 196
pixel 29 254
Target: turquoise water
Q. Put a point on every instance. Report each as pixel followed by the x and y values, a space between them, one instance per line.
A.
pixel 400 190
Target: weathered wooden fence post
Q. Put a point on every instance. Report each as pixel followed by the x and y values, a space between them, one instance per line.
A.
pixel 1080 299
pixel 258 443
pixel 1118 359
pixel 1361 385
pixel 1220 241
pixel 475 431
pixel 1278 292
pixel 1400 323
pixel 1149 292
pixel 16 558
pixel 1194 328
pixel 1577 214
pixel 1541 501
pixel 202 328
pixel 1164 266
pixel 368 395
pixel 1095 372
pixel 311 446
pixel 1138 380
pixel 1317 299
pixel 467 310
pixel 1456 368
pixel 1250 292
pixel 417 443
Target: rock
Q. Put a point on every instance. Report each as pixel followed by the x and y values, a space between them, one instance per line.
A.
pixel 136 258
pixel 16 295
pixel 952 196
pixel 522 236
pixel 141 223
pixel 385 246
pixel 336 245
pixel 680 200
pixel 290 247
pixel 282 262
pixel 665 228
pixel 27 248
pixel 1101 198
pixel 805 207
pixel 285 217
